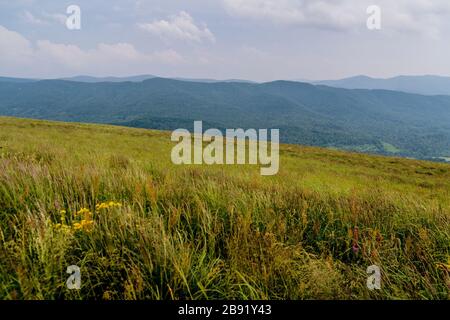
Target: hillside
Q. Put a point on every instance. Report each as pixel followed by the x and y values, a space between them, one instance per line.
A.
pixel 373 121
pixel 428 85
pixel 109 200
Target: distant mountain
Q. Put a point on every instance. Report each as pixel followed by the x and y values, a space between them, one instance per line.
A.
pixel 427 85
pixel 213 80
pixel 140 78
pixel 374 121
pixel 90 79
pixel 17 80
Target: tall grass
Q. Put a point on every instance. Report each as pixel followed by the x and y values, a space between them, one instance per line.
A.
pixel 199 232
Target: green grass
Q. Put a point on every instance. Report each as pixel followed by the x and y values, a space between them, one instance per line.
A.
pixel 212 232
pixel 390 148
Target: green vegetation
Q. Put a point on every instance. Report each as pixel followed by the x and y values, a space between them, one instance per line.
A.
pixel 390 148
pixel 358 120
pixel 209 232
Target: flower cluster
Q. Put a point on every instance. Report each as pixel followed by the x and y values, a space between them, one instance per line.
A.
pixel 83 219
pixel 107 205
pixel 85 223
pixel 84 212
pixel 62 224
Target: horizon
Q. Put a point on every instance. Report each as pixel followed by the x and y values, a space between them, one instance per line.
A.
pixel 184 78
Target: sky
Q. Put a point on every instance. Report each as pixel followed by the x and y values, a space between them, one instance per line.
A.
pixel 259 40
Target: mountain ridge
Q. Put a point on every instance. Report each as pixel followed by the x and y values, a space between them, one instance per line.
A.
pixel 374 121
pixel 424 84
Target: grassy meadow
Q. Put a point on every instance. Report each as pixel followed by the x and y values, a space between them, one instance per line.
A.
pixel 109 200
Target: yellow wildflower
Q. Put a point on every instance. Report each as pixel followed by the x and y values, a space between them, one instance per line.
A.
pixel 82 211
pixel 86 223
pixel 102 206
pixel 107 205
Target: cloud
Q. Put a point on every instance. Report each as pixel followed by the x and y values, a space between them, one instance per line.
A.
pixel 18 54
pixel 315 13
pixel 179 27
pixel 14 48
pixel 28 17
pixel 168 56
pixel 44 18
pixel 103 54
pixel 66 55
pixel 418 16
pixel 55 17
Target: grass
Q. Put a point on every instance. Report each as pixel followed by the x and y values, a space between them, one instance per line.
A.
pixel 213 232
pixel 390 148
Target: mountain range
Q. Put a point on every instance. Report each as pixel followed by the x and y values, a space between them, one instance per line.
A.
pixel 427 85
pixel 374 121
pixel 137 78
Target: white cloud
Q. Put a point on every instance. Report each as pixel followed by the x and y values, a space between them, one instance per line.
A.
pixel 421 16
pixel 104 54
pixel 65 55
pixel 169 56
pixel 14 48
pixel 316 13
pixel 417 16
pixel 55 17
pixel 18 54
pixel 179 27
pixel 28 17
pixel 44 18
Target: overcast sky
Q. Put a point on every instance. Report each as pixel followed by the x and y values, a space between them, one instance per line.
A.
pixel 222 39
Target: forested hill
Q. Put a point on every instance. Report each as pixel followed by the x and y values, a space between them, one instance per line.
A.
pixel 379 121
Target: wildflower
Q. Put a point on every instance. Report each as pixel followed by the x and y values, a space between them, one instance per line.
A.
pixel 63 216
pixel 61 227
pixel 86 223
pixel 107 295
pixel 355 248
pixel 83 211
pixel 107 205
pixel 102 206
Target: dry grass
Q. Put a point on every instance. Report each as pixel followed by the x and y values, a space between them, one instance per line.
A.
pixel 210 232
